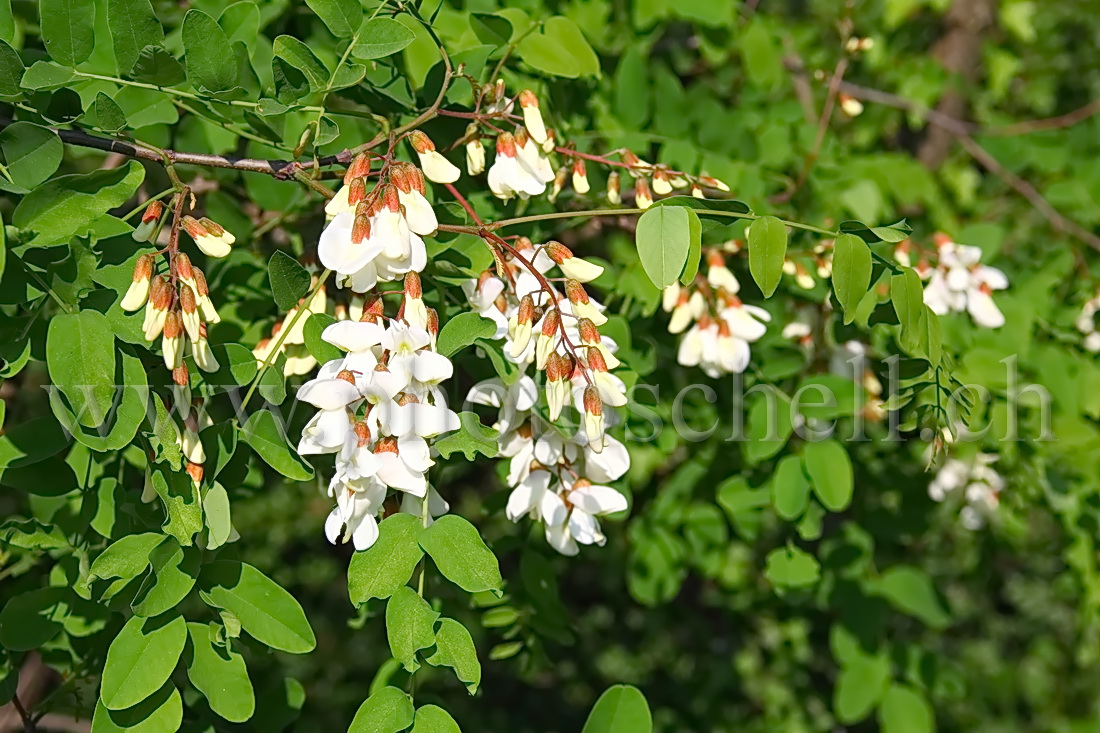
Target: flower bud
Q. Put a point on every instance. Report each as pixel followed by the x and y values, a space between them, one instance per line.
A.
pixel 613 184
pixel 550 142
pixel 200 349
pixel 415 313
pixel 593 418
pixel 558 184
pixel 714 183
pixel 697 191
pixel 544 344
pixel 475 156
pixel 359 168
pixel 521 326
pixel 202 297
pixel 643 198
pixel 590 337
pixel 849 105
pixel 436 168
pixel 210 237
pixel 580 177
pixel 138 292
pixel 582 304
pixel 718 275
pixel 149 219
pixel 172 341
pixel 532 116
pixel 557 390
pixel 661 182
pixel 156 309
pixel 189 311
pixel 576 268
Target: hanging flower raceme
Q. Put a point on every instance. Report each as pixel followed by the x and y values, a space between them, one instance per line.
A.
pixel 977 482
pixel 378 409
pixel 960 282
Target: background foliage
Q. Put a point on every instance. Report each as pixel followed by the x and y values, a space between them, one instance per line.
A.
pixel 728 608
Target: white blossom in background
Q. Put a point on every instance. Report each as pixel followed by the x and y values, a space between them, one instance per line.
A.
pixel 1086 323
pixel 718 328
pixel 975 480
pixel 379 408
pixel 959 282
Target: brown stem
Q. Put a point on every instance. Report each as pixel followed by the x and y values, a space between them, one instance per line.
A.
pixel 173 249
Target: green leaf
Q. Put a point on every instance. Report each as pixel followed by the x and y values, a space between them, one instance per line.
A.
pixel 182 504
pixel 620 709
pixel 157 66
pixel 43 75
pixel 266 610
pixel 289 280
pixel 830 470
pixel 410 626
pixel 133 26
pixel 910 590
pixel 791 567
pixel 461 331
pixel 126 558
pixel 379 37
pixel 216 516
pixel 790 488
pixel 68 205
pixel 568 35
pixel 320 349
pixel 211 63
pixel 31 619
pixel 11 70
pixel 174 571
pixel 664 239
pixel 219 673
pixel 461 555
pixel 695 250
pixel 270 443
pixel 905 710
pixel 454 648
pixel 434 719
pixel 384 567
pixel 859 687
pixel 767 250
pixel 80 356
pixel 907 295
pixel 769 426
pixel 67 29
pixel 140 659
pixel 470 440
pixel 31 153
pixel 547 54
pixel 342 17
pixel 491 29
pixel 299 55
pixel 930 336
pixel 851 272
pixel 388 710
pixel 159 713
pixel 109 115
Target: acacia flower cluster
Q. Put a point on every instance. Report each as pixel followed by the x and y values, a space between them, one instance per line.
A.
pixel 960 282
pixel 378 408
pixel 978 483
pixel 718 327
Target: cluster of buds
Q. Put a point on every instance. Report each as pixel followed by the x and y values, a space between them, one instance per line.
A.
pixel 375 235
pixel 804 269
pixel 378 408
pixel 556 331
pixel 718 327
pixel 177 305
pixel 651 180
pixel 978 483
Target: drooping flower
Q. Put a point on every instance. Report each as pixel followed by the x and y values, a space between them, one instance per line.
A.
pixel 960 282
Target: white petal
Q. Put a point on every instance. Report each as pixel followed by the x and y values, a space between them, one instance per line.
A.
pixel 353 336
pixel 598 499
pixel 560 539
pixel 527 495
pixel 328 394
pixel 983 310
pixel 552 509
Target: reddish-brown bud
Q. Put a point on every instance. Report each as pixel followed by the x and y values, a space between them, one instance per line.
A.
pixel 360 228
pixel 506 145
pixel 200 282
pixel 558 252
pixel 143 268
pixel 359 168
pixel 588 331
pixel 362 433
pixel 630 159
pixel 347 375
pixel 184 267
pixel 160 294
pixel 413 288
pixel 357 191
pixel 551 323
pixel 576 292
pixel 593 405
pixel 152 212
pixel 187 299
pixel 387 444
pixel 526 313
pixel 212 226
pixel 596 360
pixel 173 325
pixel 194 470
pixel 180 376
pixel 433 321
pixel 527 98
pixel 421 143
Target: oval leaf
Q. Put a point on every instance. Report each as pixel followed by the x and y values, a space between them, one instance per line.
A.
pixel 140 660
pixel 830 471
pixel 620 709
pixel 664 239
pixel 265 609
pixel 461 555
pixel 851 272
pixel 767 250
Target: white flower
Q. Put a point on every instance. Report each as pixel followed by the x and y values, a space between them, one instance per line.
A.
pixel 581 525
pixel 977 482
pixel 1086 324
pixel 510 175
pixel 436 168
pixel 961 282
